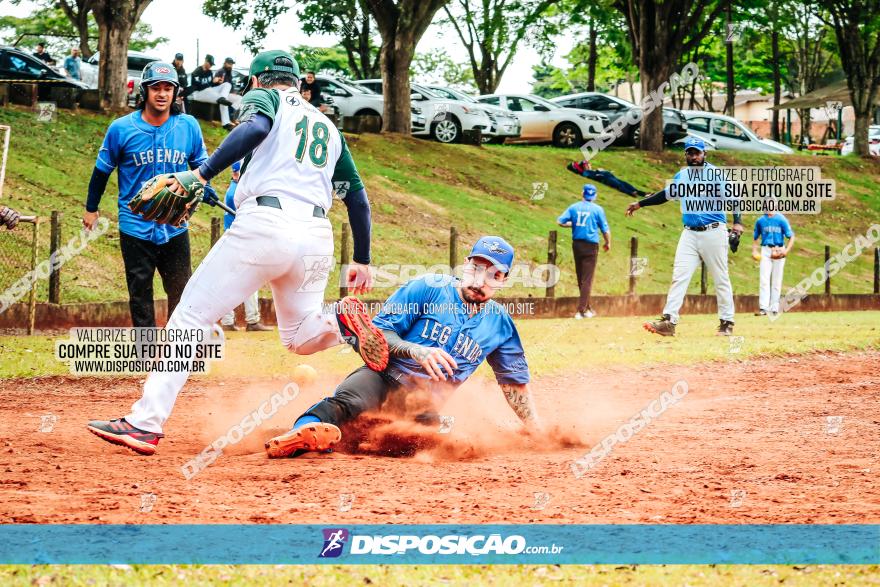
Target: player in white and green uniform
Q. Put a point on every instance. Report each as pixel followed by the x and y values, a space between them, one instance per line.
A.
pixel 293 157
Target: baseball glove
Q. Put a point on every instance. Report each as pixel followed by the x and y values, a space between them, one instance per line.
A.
pixel 777 253
pixel 733 240
pixel 155 201
pixel 8 217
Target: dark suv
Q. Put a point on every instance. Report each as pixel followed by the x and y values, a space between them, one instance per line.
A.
pixel 674 123
pixel 18 65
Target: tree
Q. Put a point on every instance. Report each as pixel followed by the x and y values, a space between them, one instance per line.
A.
pixel 401 24
pixel 437 67
pixel 116 21
pixel 253 16
pixel 352 23
pixel 857 27
pixel 78 13
pixel 331 60
pixel 660 33
pixel 492 31
pixel 808 38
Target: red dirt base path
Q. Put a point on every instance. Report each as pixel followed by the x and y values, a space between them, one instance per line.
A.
pixel 750 443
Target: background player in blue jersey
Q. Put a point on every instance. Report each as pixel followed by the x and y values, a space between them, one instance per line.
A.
pixel 587 220
pixel 152 140
pixel 439 330
pixel 705 239
pixel 772 229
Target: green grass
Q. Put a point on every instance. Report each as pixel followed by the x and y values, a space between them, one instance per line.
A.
pixel 419 189
pixel 384 575
pixel 584 345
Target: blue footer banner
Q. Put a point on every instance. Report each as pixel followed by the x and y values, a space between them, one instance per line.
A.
pixel 439 544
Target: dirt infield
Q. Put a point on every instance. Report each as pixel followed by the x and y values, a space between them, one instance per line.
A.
pixel 751 442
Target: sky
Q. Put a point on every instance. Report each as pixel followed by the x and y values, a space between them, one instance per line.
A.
pixel 186 27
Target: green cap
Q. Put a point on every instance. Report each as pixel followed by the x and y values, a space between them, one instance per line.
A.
pixel 276 60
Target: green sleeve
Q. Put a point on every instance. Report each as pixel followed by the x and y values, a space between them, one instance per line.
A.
pixel 346 170
pixel 259 100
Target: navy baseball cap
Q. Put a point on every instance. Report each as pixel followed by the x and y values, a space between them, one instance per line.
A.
pixel 178 56
pixel 590 192
pixel 209 58
pixel 695 143
pixel 496 250
pixel 236 166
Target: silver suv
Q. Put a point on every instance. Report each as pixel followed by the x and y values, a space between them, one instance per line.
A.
pixel 352 100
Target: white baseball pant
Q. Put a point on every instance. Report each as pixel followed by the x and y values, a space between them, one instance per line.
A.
pixel 292 251
pixel 770 281
pixel 212 94
pixel 711 247
pixel 251 311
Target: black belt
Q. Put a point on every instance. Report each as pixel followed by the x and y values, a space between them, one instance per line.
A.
pixel 273 202
pixel 704 227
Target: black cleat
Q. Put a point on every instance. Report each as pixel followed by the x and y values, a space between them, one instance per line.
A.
pixel 662 326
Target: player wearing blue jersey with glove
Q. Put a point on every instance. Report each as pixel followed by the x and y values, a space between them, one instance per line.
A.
pixel 586 220
pixel 772 229
pixel 704 239
pixel 439 330
pixel 152 140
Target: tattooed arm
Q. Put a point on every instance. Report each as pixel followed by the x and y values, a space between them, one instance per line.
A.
pixel 520 399
pixel 432 359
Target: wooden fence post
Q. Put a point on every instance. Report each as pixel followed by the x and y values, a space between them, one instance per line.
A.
pixel 551 260
pixel 54 245
pixel 702 278
pixel 827 276
pixel 215 230
pixel 32 300
pixel 344 256
pixel 633 254
pixel 453 248
pixel 877 270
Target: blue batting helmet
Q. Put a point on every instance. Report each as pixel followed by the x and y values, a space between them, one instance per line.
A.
pixel 159 71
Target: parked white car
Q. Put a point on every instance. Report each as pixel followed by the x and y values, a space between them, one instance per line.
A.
pixel 446 118
pixel 543 121
pixel 504 124
pixel 352 100
pixel 729 134
pixel 873 142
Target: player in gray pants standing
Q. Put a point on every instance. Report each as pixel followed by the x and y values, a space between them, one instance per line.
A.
pixel 705 239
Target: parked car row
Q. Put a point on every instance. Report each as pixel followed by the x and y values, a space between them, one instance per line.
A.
pixel 873 142
pixel 444 113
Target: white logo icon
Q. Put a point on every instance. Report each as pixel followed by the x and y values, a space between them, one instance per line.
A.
pixel 46 111
pixel 737 497
pixel 542 498
pixel 539 189
pixel 637 266
pixel 446 423
pixel 147 501
pixel 340 189
pixel 47 422
pixel 736 343
pixel 317 272
pixel 345 501
pixel 833 424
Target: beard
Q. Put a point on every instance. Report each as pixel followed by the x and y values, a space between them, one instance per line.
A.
pixel 473 295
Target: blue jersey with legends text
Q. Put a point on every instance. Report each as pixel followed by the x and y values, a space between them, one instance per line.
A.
pixel 428 311
pixel 141 151
pixel 587 221
pixel 773 230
